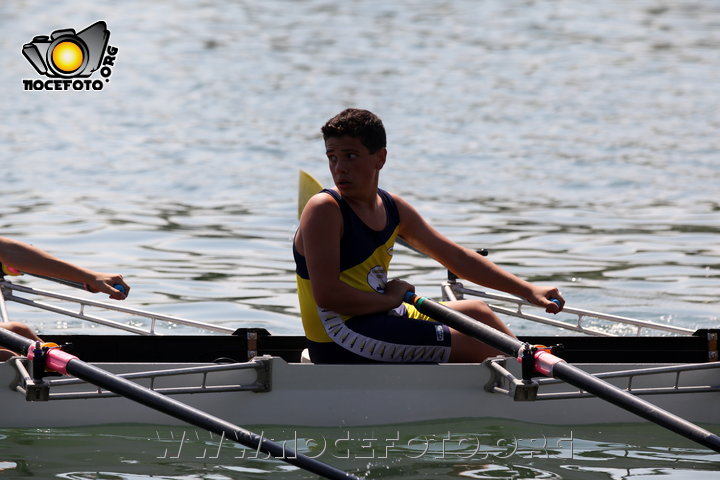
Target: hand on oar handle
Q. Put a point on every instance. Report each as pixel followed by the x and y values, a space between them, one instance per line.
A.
pixel 548 298
pixel 396 288
pixel 112 284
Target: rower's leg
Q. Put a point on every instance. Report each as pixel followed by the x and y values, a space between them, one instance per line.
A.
pixel 6 354
pixel 20 329
pixel 467 349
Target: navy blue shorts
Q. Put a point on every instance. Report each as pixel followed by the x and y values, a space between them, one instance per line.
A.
pixel 384 338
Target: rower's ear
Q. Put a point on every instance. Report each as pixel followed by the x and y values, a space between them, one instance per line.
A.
pixel 381 157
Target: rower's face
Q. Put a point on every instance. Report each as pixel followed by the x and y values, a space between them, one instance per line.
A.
pixel 351 164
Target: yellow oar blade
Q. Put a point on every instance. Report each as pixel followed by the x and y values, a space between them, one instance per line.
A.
pixel 307 187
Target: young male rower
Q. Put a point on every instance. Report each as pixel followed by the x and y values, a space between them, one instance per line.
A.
pixel 17 257
pixel 351 313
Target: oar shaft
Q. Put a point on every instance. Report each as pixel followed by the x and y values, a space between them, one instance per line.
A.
pixel 581 379
pixel 199 418
pixel 67 363
pixel 551 365
pixel 467 325
pixel 14 342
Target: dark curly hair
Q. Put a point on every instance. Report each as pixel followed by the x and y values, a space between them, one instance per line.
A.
pixel 361 124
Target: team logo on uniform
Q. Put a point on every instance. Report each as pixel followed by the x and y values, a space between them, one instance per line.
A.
pixel 377 278
pixel 67 56
pixel 439 333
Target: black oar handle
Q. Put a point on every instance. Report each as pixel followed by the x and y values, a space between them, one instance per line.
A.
pixel 65 363
pixel 548 364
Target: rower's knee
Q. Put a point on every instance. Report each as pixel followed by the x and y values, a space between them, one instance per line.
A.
pixel 466 349
pixel 476 309
pixel 481 312
pixel 5 354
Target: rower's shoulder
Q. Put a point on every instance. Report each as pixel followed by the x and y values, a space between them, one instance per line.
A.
pixel 322 200
pixel 400 202
pixel 319 205
pixel 397 198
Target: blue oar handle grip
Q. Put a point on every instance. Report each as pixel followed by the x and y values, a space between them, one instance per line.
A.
pixel 117 287
pixel 556 301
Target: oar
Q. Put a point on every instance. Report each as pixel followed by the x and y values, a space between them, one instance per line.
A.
pixel 549 365
pixel 65 363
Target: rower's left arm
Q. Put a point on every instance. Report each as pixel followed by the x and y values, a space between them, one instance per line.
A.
pixel 468 264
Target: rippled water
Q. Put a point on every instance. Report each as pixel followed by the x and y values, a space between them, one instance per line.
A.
pixel 577 141
pixel 475 449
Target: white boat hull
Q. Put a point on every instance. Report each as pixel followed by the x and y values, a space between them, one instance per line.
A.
pixel 268 385
pixel 350 395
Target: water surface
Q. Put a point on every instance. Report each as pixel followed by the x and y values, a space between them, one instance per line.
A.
pixel 576 141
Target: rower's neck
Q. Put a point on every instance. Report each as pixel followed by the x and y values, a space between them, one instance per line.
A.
pixel 369 202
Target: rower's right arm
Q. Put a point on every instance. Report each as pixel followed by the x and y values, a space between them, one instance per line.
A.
pixel 30 259
pixel 318 240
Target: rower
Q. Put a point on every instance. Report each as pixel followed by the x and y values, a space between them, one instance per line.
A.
pixel 351 311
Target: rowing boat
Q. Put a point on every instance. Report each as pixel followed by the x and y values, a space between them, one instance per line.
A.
pixel 250 377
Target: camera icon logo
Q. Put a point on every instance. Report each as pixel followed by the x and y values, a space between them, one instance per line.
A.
pixel 67 54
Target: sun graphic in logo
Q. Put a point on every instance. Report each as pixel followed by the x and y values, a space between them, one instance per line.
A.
pixel 67 56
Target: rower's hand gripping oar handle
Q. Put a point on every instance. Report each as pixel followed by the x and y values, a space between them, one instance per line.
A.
pixel 7 270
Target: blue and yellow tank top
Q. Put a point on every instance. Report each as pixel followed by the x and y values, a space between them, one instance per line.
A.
pixel 365 256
